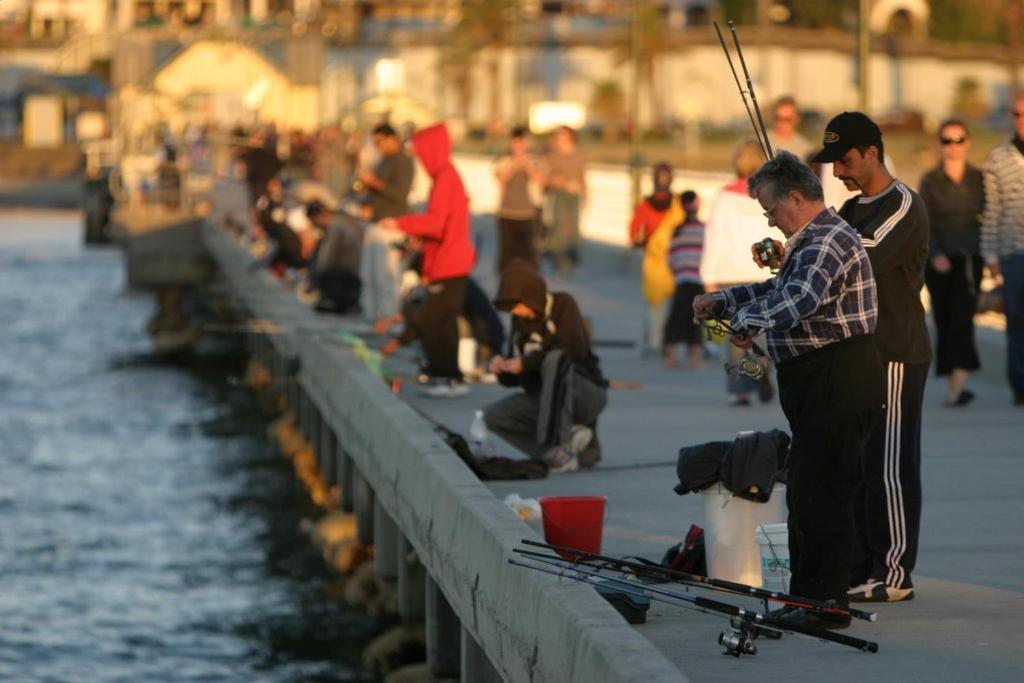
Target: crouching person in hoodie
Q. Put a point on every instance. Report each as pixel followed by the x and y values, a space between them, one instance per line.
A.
pixel 554 418
pixel 448 257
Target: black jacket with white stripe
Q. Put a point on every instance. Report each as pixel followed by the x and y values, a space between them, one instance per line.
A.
pixel 893 226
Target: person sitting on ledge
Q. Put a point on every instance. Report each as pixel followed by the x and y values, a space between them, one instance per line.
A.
pixel 554 418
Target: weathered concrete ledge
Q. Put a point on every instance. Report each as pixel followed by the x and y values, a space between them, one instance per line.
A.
pixel 530 626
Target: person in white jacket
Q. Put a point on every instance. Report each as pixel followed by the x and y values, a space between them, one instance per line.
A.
pixel 736 221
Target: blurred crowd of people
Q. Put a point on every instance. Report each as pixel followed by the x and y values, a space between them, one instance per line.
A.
pixel 330 214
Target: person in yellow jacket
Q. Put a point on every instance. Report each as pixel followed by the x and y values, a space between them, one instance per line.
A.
pixel 651 228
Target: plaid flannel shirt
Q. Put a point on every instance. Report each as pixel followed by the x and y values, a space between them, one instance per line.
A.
pixel 824 293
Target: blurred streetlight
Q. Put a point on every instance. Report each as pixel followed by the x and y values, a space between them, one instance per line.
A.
pixel 635 156
pixel 863 54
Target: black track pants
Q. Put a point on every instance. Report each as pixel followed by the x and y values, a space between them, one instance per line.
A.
pixel 888 498
pixel 830 407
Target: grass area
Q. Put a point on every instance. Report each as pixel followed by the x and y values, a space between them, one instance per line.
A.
pixel 912 153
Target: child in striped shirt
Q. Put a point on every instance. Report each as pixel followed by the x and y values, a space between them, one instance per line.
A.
pixel 684 260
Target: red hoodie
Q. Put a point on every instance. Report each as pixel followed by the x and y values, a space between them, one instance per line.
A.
pixel 444 228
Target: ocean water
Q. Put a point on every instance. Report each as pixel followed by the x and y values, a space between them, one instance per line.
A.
pixel 148 530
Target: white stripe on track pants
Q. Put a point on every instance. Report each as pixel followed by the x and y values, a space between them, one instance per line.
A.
pixel 887 502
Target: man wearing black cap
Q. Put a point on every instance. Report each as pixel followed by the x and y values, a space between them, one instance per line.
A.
pixel 554 418
pixel 893 225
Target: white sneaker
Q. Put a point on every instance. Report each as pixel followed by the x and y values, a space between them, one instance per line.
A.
pixel 449 389
pixel 579 438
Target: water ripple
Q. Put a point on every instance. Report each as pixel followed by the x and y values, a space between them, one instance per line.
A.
pixel 147 530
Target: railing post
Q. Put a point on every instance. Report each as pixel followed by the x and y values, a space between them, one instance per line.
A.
pixel 476 667
pixel 444 634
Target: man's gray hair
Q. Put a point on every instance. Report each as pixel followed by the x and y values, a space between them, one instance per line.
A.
pixel 782 174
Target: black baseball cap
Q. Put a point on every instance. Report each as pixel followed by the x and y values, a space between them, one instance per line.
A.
pixel 846 131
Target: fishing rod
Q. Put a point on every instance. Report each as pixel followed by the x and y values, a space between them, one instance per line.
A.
pixel 752 621
pixel 651 574
pixel 711 583
pixel 737 641
pixel 760 131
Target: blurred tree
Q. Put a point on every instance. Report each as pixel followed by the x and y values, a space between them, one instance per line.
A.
pixel 817 14
pixel 968 100
pixel 484 25
pixel 608 106
pixel 740 11
pixel 966 20
pixel 654 38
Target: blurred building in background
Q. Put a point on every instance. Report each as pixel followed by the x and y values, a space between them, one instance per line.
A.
pixel 481 63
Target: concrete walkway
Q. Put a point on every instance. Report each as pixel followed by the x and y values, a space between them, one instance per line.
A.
pixel 970 574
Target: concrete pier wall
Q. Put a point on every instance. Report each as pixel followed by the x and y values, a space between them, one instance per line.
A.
pixel 527 626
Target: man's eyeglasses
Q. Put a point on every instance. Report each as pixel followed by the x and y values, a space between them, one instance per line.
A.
pixel 956 140
pixel 769 213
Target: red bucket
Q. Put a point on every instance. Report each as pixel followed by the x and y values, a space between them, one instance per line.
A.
pixel 574 521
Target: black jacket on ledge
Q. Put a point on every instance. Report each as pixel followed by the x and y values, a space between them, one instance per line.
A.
pixel 748 466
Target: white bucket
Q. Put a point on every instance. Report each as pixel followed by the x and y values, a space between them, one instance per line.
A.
pixel 730 522
pixel 773 540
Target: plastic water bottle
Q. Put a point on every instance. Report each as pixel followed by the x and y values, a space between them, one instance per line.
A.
pixel 478 435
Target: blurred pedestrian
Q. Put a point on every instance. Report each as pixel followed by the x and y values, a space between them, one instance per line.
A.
pixel 565 183
pixel 387 187
pixel 893 225
pixel 261 161
pixel 448 257
pixel 519 180
pixel 1002 239
pixel 784 133
pixel 288 249
pixel 684 260
pixel 648 230
pixel 389 182
pixel 334 266
pixel 954 194
pixel 736 221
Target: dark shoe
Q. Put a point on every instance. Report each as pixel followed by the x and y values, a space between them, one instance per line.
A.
pixel 591 455
pixel 741 402
pixel 800 619
pixel 965 397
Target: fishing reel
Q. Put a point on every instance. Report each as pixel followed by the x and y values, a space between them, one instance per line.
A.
pixel 752 365
pixel 769 254
pixel 738 639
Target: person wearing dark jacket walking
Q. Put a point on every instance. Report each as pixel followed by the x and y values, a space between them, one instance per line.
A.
pixel 448 257
pixel 893 224
pixel 549 356
pixel 954 194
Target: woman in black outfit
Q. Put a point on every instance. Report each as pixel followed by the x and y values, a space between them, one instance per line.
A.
pixel 954 194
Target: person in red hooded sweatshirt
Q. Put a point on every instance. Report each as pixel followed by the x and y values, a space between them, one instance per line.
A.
pixel 448 257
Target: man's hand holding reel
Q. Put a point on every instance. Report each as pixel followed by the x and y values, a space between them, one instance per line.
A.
pixel 767 253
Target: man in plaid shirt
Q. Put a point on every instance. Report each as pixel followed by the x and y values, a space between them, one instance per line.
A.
pixel 819 314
